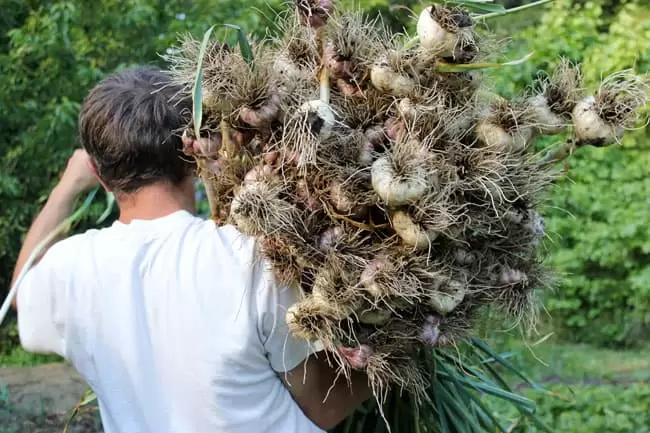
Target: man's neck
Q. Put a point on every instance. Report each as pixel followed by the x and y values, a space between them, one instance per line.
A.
pixel 156 201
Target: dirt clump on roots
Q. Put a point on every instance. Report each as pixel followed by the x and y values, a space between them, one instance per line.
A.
pixel 398 199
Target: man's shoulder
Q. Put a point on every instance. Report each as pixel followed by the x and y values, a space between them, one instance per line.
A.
pixel 74 243
pixel 227 240
pixel 213 241
pixel 232 235
pixel 205 237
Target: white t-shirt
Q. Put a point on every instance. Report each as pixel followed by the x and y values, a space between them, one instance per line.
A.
pixel 175 323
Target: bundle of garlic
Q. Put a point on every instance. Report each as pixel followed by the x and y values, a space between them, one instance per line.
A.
pixel 386 189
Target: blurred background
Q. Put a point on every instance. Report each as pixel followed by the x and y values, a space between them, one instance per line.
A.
pixel 593 339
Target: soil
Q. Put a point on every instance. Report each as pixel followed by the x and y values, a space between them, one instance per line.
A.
pixel 41 399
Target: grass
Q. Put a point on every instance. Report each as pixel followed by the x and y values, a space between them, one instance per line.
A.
pixel 17 357
pixel 576 362
pixel 12 355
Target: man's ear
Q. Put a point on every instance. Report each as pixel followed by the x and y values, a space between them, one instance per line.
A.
pixel 93 169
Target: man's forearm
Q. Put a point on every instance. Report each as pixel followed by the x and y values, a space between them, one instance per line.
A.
pixel 326 397
pixel 344 398
pixel 59 206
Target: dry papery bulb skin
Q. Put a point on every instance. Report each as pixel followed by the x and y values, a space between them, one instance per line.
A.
pixel 447 31
pixel 504 125
pixel 602 119
pixel 554 103
pixel 314 13
pixel 397 199
pixel 388 80
pixel 350 50
pixel 393 70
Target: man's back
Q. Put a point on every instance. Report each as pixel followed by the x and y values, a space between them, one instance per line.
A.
pixel 175 323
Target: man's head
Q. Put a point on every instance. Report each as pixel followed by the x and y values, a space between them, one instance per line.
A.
pixel 130 125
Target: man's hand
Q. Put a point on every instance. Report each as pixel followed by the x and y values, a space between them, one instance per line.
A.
pixel 79 175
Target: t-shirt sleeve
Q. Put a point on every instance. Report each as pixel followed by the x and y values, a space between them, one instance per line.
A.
pixel 283 350
pixel 42 303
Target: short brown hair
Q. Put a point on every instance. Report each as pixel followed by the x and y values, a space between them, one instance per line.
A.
pixel 130 125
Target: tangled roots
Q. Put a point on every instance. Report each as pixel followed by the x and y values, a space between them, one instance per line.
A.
pixel 397 198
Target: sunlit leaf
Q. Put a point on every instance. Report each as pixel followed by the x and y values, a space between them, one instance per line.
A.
pixel 244 45
pixel 87 398
pixel 475 5
pixel 511 11
pixel 197 91
pixel 110 204
pixel 442 66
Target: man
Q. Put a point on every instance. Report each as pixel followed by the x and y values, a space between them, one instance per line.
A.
pixel 171 320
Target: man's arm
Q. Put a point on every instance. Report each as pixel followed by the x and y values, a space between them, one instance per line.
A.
pixel 323 397
pixel 77 178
